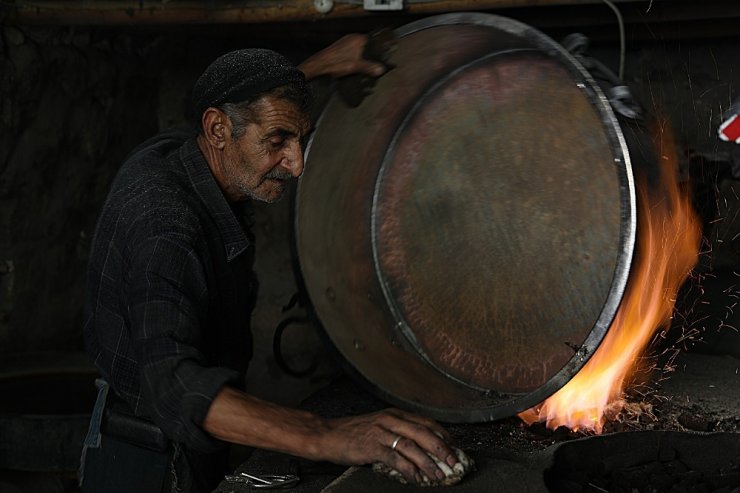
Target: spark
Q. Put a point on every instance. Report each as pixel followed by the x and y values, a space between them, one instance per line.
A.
pixel 716 66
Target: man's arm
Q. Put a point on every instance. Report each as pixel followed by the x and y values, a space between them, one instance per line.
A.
pixel 343 57
pixel 237 417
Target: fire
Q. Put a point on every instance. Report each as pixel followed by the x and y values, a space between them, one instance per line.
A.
pixel 668 236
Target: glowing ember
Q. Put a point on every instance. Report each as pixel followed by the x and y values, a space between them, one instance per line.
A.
pixel 667 247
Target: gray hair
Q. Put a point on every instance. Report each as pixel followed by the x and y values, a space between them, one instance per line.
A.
pixel 243 113
pixel 240 115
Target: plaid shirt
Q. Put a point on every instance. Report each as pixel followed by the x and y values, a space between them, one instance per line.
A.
pixel 170 289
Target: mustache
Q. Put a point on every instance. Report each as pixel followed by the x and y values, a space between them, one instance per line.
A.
pixel 278 174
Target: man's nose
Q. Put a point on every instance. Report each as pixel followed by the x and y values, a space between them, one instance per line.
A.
pixel 293 161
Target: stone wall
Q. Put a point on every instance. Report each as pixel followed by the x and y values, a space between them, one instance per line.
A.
pixel 73 103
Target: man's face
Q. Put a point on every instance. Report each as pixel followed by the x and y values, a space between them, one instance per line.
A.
pixel 259 163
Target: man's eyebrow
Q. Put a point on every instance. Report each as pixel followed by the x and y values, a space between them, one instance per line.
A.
pixel 280 132
pixel 284 132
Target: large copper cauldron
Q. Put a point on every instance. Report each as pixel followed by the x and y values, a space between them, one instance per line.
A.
pixel 466 232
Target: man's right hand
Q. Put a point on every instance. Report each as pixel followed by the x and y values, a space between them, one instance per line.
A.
pixel 238 417
pixel 367 439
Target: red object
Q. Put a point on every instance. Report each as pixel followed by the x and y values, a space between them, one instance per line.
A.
pixel 730 130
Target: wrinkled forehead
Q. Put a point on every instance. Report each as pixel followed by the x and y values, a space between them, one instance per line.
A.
pixel 275 111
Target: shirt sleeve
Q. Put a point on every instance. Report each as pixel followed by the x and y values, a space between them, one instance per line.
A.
pixel 168 308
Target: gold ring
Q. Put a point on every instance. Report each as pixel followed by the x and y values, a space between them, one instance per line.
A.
pixel 395 442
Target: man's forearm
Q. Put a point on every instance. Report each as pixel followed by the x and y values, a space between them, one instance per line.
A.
pixel 401 440
pixel 237 417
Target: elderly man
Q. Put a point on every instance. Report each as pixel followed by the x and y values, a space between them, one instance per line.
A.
pixel 170 290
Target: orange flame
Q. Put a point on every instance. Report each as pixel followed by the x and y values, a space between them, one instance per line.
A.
pixel 668 235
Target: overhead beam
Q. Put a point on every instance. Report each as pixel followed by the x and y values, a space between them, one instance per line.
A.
pixel 122 12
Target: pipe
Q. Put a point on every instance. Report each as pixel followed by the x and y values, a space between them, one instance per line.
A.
pixel 111 12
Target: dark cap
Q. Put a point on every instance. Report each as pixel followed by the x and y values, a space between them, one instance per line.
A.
pixel 240 75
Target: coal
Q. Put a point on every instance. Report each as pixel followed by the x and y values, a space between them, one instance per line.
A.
pixel 695 422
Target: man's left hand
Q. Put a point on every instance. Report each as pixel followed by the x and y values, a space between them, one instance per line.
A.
pixel 344 57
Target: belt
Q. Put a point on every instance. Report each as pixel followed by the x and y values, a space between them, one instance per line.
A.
pixel 120 423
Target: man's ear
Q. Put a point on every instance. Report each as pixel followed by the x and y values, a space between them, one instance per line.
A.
pixel 216 126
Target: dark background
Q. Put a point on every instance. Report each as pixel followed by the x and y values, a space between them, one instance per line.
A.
pixel 79 89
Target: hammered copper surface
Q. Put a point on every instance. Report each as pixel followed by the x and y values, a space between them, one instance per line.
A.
pixel 497 230
pixel 402 351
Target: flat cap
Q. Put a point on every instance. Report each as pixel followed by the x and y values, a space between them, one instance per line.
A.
pixel 240 75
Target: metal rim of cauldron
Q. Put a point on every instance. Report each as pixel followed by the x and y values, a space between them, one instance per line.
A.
pixel 600 102
pixel 627 235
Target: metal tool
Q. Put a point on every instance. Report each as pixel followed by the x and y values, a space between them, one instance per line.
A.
pixel 265 481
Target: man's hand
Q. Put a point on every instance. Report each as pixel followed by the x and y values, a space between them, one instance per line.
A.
pixel 369 439
pixel 238 417
pixel 343 57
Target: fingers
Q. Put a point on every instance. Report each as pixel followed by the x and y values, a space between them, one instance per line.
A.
pixel 410 451
pixel 399 461
pixel 357 66
pixel 419 440
pixel 371 68
pixel 353 48
pixel 349 55
pixel 419 437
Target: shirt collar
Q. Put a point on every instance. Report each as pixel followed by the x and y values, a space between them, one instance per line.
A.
pixel 233 235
